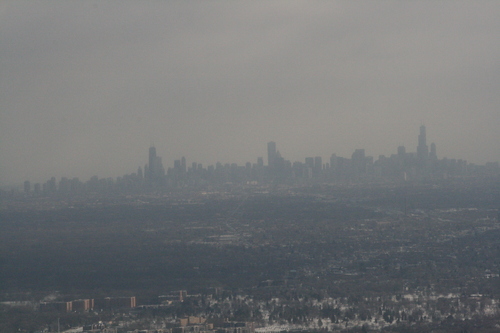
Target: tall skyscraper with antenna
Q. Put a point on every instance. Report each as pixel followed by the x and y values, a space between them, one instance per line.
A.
pixel 422 148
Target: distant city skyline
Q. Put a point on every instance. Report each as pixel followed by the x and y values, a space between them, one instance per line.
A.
pixel 86 86
pixel 402 165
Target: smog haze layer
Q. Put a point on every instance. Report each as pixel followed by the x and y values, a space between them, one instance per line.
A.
pixel 87 87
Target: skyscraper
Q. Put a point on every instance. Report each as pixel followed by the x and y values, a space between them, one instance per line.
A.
pixel 318 166
pixel 152 163
pixel 433 154
pixel 183 164
pixel 401 151
pixel 27 187
pixel 359 162
pixel 155 169
pixel 271 154
pixel 310 162
pixel 422 148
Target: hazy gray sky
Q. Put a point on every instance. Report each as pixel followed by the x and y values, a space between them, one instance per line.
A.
pixel 87 86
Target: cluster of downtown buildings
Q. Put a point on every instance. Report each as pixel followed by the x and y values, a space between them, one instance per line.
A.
pixel 420 166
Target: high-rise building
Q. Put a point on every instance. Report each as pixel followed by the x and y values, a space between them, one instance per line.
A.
pixel 333 162
pixel 271 154
pixel 318 166
pixel 152 163
pixel 359 162
pixel 27 187
pixel 51 185
pixel 433 154
pixel 183 164
pixel 422 148
pixel 401 151
pixel 155 170
pixel 310 162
